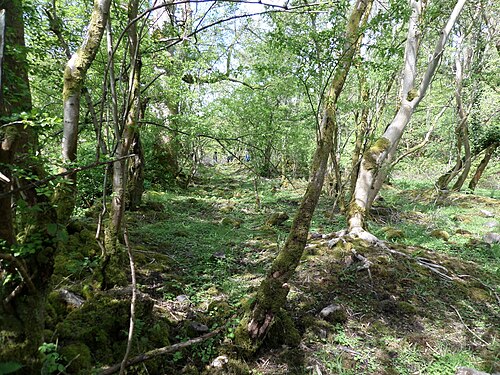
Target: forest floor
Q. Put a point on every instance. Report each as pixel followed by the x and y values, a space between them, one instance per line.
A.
pixel 201 252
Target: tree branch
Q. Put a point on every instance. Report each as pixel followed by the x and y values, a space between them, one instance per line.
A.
pixel 44 181
pixel 158 352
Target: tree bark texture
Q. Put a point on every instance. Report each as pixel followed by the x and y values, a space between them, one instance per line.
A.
pixel 490 150
pixel 74 76
pixel 273 291
pixel 375 161
pixel 22 300
pixel 135 185
pixel 15 97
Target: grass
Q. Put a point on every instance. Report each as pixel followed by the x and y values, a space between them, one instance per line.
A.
pixel 210 243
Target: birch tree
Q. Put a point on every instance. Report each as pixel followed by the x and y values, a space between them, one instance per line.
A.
pixel 373 168
pixel 74 76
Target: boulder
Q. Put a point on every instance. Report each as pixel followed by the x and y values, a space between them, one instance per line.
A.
pixel 334 313
pixel 491 238
pixel 277 218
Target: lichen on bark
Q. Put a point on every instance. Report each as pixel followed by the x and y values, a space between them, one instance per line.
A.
pixel 370 157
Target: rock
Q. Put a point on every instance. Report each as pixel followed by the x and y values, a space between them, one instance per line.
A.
pixel 491 238
pixel 71 299
pixel 230 221
pixel 462 232
pixel 277 218
pixel 219 362
pixel 194 328
pixel 219 255
pixel 442 234
pixel 315 236
pixel 334 314
pixel 469 371
pixel 182 298
pixel 491 224
pixel 486 213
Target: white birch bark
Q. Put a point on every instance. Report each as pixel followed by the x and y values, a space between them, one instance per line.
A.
pixel 373 166
pixel 74 75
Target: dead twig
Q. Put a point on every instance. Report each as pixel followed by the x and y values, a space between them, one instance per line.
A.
pixel 132 303
pixel 160 351
pixel 467 328
pixel 21 269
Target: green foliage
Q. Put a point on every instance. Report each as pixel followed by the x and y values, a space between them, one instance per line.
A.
pixel 9 367
pixel 51 359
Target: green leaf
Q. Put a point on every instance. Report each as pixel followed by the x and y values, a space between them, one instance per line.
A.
pixel 52 229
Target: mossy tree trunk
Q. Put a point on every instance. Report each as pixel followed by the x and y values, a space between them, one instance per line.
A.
pixel 490 150
pixel 120 168
pixel 273 291
pixel 376 160
pixel 135 185
pixel 22 298
pixel 74 76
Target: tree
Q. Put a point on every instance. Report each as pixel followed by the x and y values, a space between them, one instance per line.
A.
pixel 267 309
pixel 25 265
pixel 74 76
pixel 373 167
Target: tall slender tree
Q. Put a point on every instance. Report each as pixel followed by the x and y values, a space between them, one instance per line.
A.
pixel 273 291
pixel 373 167
pixel 74 76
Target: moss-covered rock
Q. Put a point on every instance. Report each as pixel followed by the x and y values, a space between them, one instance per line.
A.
pixel 102 325
pixel 235 223
pixel 276 219
pixel 78 357
pixel 393 233
pixel 441 234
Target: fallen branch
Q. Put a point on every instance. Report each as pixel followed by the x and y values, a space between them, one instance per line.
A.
pixel 132 303
pixel 436 268
pixel 468 329
pixel 160 351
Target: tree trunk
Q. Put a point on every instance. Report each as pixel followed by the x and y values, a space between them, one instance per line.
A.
pixel 74 75
pixel 120 167
pixel 482 165
pixel 135 186
pixel 375 161
pixel 273 291
pixel 22 299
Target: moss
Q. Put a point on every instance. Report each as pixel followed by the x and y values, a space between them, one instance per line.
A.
pixel 371 155
pixel 78 357
pixel 102 325
pixel 243 342
pixel 355 209
pixel 219 309
pixel 283 331
pixel 231 222
pixel 406 308
pixel 478 294
pixel 393 234
pixel 441 234
pixel 412 94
